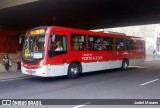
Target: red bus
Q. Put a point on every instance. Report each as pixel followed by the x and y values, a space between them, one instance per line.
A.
pixel 55 51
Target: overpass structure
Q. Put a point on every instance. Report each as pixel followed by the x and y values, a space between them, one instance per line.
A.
pixel 84 14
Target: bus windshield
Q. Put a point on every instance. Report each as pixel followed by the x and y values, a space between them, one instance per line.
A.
pixel 33 48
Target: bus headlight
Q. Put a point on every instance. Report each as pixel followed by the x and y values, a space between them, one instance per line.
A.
pixel 21 63
pixel 41 64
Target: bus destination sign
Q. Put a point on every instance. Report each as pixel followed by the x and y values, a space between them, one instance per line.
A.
pixel 37 32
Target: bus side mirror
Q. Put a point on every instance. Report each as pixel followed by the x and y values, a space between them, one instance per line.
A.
pixel 21 38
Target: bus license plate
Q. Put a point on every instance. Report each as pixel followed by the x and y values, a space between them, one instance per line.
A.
pixel 29 71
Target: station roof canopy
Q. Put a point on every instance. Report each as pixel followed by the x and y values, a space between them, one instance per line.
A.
pixel 84 14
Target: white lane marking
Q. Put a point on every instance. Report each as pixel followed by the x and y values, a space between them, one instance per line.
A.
pixel 82 105
pixel 149 82
pixel 141 67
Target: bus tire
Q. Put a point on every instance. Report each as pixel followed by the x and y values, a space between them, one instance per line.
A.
pixel 74 70
pixel 124 64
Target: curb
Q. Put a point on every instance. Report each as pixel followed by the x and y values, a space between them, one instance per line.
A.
pixel 152 60
pixel 16 78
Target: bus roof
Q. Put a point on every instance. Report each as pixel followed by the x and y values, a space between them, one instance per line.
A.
pixel 87 32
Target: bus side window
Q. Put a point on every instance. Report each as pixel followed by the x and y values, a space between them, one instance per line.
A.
pixel 78 42
pixel 120 44
pixel 139 45
pixel 127 44
pixel 108 43
pixel 94 43
pixel 58 45
pixel 130 44
pixel 143 45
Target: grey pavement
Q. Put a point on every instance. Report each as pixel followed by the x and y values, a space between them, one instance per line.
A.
pixel 150 58
pixel 11 75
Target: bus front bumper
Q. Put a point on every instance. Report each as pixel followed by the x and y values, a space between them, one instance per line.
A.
pixel 36 72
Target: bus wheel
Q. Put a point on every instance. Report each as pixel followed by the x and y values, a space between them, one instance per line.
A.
pixel 73 70
pixel 124 65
